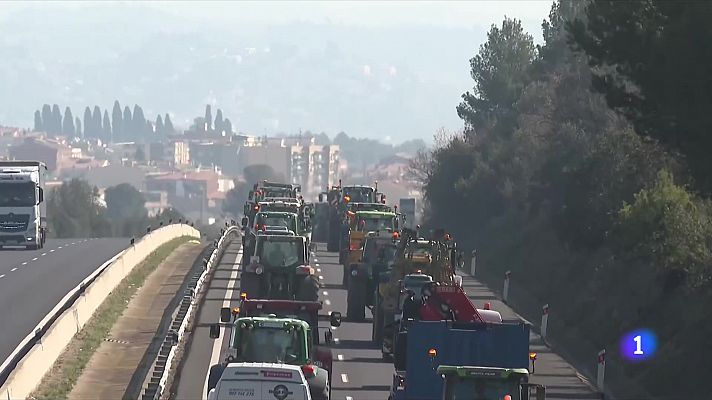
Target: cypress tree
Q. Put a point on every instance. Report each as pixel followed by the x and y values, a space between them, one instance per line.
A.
pixel 168 125
pixel 106 125
pixel 227 126
pixel 127 124
pixel 56 120
pixel 68 128
pixel 78 127
pixel 139 122
pixel 219 122
pixel 117 122
pixel 159 125
pixel 46 117
pixel 87 123
pixel 208 119
pixel 96 123
pixel 38 121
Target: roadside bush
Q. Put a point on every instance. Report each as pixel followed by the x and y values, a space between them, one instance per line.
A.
pixel 667 226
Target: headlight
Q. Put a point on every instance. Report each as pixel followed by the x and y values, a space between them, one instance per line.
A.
pixel 259 270
pixel 354 272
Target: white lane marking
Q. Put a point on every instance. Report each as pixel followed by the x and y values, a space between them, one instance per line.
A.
pixel 44 254
pixel 2 276
pixel 336 340
pixel 344 378
pixel 316 259
pixel 51 251
pixel 24 263
pixel 317 264
pixel 326 293
pixel 34 259
pixel 318 270
pixel 321 278
pixel 14 269
pixel 215 353
pixel 349 398
pixel 327 302
pixel 340 357
pixel 59 247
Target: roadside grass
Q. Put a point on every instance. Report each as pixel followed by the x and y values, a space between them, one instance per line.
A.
pixel 59 381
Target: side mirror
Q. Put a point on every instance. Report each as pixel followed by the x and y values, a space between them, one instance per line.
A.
pixel 214 331
pixel 41 195
pixel 335 319
pixel 244 222
pixel 328 337
pixel 251 195
pixel 225 314
pixel 321 197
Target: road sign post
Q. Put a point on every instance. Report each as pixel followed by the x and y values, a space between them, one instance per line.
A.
pixel 601 370
pixel 544 321
pixel 505 291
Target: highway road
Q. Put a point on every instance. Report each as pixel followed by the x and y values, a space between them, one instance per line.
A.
pixel 359 371
pixel 33 282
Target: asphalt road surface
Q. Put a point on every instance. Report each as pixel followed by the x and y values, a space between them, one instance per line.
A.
pixel 33 282
pixel 359 371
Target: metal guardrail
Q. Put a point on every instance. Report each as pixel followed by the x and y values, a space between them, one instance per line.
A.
pixel 155 386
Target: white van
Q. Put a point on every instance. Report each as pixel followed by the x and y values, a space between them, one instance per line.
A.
pixel 261 381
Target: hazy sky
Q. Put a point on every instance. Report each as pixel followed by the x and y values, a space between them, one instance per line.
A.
pixel 368 67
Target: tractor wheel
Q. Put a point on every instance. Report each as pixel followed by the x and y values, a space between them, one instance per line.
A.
pixel 250 284
pixel 377 333
pixel 356 307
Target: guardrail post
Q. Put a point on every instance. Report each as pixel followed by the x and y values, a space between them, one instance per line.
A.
pixel 544 321
pixel 473 262
pixel 505 291
pixel 601 370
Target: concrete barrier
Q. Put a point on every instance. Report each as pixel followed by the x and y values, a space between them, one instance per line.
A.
pixel 30 370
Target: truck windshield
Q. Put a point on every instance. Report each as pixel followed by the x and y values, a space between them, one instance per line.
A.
pixel 481 389
pixel 265 344
pixel 376 224
pixel 17 194
pixel 359 195
pixel 276 253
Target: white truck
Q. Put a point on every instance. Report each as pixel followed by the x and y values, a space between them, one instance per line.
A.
pixel 22 212
pixel 261 381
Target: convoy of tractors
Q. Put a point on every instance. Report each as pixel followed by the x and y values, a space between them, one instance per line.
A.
pixel 441 345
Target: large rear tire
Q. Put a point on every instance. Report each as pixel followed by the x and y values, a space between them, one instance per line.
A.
pixel 399 351
pixel 377 332
pixel 251 284
pixel 319 385
pixel 308 289
pixel 356 306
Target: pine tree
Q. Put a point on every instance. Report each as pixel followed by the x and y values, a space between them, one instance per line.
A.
pixel 38 121
pixel 78 127
pixel 208 118
pixel 106 125
pixel 139 122
pixel 117 122
pixel 219 122
pixel 87 123
pixel 127 124
pixel 46 117
pixel 56 120
pixel 159 125
pixel 168 125
pixel 68 128
pixel 227 126
pixel 96 123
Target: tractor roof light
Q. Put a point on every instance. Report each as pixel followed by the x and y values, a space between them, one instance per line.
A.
pixel 243 296
pixel 235 310
pixel 432 353
pixel 532 356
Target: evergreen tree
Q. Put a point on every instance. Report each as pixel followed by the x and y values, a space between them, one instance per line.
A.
pixel 68 129
pixel 139 122
pixel 208 118
pixel 87 123
pixel 106 125
pixel 159 125
pixel 96 123
pixel 127 124
pixel 168 125
pixel 227 126
pixel 117 122
pixel 56 120
pixel 46 117
pixel 78 127
pixel 38 121
pixel 219 122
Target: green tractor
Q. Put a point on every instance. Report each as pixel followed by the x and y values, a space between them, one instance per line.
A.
pixel 278 269
pixel 269 339
pixel 488 383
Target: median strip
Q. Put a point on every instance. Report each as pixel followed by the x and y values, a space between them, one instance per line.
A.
pixel 65 372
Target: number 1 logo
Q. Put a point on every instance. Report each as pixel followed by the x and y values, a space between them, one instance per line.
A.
pixel 638 345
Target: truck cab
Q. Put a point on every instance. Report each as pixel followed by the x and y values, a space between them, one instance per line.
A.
pixel 475 383
pixel 22 212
